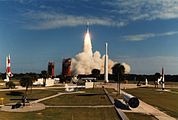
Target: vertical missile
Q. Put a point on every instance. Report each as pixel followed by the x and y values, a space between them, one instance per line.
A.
pixel 88 27
pixel 8 69
pixel 106 64
pixel 163 85
pixel 7 76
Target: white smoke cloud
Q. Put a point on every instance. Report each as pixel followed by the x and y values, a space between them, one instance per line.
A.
pixel 127 67
pixel 86 61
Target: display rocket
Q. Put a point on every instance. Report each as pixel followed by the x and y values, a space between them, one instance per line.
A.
pixel 8 69
pixel 163 85
pixel 106 64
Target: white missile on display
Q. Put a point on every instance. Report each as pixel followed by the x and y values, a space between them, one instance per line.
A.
pixel 106 64
pixel 163 85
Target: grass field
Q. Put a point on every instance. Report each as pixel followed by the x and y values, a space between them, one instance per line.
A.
pixel 91 97
pixel 64 114
pixel 165 101
pixel 31 94
pixel 113 93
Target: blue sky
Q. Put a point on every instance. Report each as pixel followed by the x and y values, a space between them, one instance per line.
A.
pixel 142 33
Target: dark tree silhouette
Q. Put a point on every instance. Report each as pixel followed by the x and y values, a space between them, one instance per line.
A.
pixel 44 75
pixel 156 76
pixel 27 82
pixel 96 73
pixel 118 71
pixel 139 78
pixel 10 85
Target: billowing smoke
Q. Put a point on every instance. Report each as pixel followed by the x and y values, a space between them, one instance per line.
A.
pixel 86 61
pixel 127 67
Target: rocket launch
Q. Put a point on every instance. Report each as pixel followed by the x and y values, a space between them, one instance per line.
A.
pixel 87 48
pixel 85 61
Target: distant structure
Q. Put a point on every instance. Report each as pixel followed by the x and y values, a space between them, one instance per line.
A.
pixel 146 81
pixel 66 67
pixel 8 69
pixel 106 64
pixel 163 85
pixel 51 69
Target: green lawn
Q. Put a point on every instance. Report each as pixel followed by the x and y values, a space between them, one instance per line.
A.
pixel 140 116
pixel 165 101
pixel 31 94
pixel 64 114
pixel 91 97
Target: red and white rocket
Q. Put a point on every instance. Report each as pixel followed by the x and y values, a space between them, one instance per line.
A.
pixel 8 69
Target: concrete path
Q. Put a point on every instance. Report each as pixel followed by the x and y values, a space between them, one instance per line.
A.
pixel 34 88
pixel 89 106
pixel 118 110
pixel 123 86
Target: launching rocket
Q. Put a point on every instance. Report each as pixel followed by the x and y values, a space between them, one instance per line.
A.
pixel 8 69
pixel 87 42
pixel 106 64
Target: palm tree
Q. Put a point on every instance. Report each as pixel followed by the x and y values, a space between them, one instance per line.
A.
pixel 44 75
pixel 26 81
pixel 118 71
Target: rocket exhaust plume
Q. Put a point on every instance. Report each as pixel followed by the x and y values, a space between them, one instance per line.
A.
pixel 87 48
pixel 86 61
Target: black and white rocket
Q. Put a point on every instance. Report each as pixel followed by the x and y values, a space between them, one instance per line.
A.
pixel 163 84
pixel 106 64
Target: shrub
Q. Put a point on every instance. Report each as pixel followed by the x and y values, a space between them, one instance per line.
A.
pixel 10 84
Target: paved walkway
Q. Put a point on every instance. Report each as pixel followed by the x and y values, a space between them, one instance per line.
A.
pixel 118 110
pixel 88 106
pixel 34 88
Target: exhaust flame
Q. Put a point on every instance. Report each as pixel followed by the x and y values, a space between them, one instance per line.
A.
pixel 87 48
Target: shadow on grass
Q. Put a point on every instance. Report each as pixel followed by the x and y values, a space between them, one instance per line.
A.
pixel 15 93
pixel 120 105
